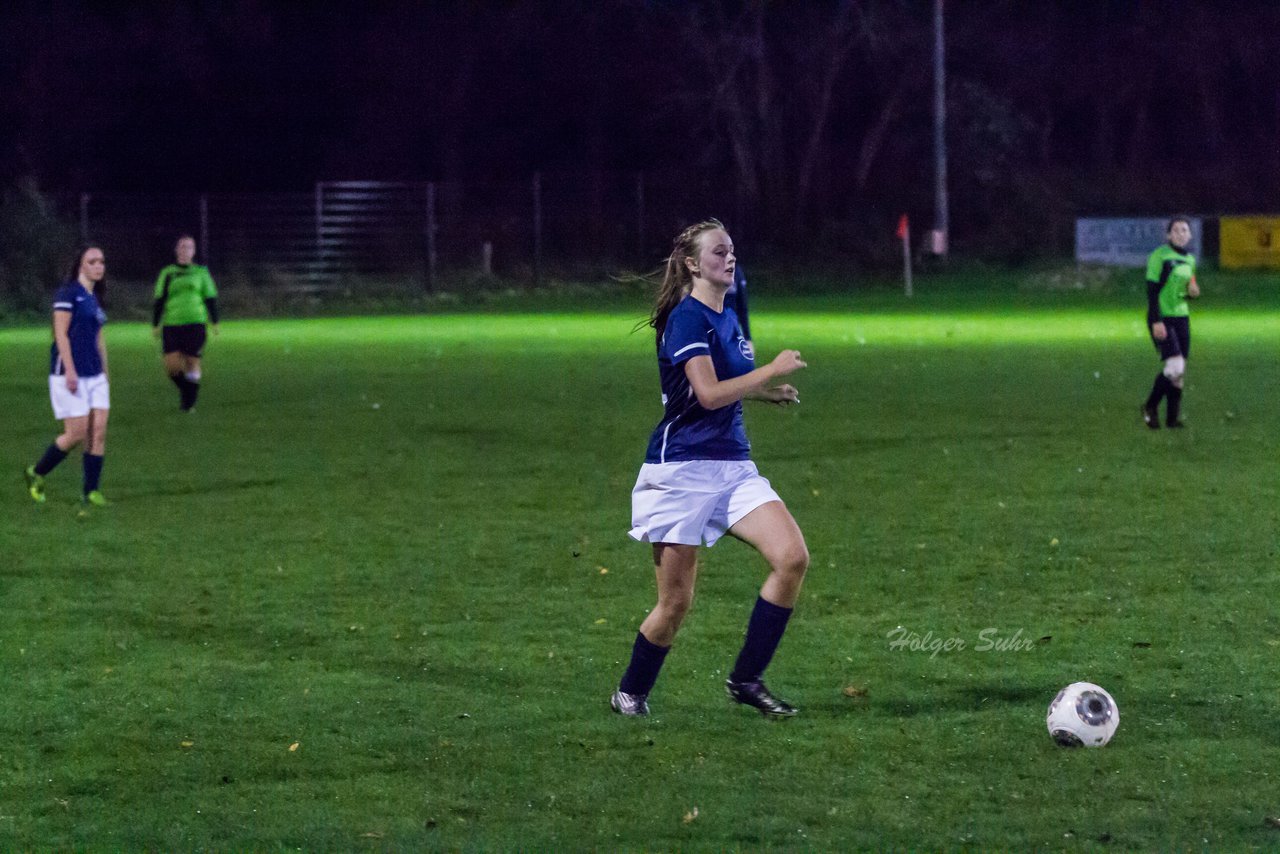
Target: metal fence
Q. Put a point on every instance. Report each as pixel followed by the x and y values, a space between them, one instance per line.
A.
pixel 413 233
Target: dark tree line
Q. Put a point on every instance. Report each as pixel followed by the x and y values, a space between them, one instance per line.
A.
pixel 804 119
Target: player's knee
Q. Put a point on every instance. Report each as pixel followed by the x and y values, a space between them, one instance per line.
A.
pixel 802 559
pixel 676 604
pixel 793 560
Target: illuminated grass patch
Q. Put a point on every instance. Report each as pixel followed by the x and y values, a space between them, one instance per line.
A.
pixel 375 592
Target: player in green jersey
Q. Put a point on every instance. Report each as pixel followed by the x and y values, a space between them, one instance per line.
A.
pixel 186 301
pixel 1171 281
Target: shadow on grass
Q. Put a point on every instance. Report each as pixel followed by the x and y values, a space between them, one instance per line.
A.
pixel 203 488
pixel 858 446
pixel 972 698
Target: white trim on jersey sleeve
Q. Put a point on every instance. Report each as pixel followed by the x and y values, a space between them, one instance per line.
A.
pixel 65 306
pixel 677 353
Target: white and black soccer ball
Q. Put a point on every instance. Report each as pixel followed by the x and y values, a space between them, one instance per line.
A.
pixel 1083 715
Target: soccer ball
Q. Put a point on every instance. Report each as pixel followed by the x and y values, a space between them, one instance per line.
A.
pixel 1083 715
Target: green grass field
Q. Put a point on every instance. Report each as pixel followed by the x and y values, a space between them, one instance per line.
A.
pixel 375 592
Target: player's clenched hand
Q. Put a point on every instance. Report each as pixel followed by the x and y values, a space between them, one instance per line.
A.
pixel 1158 332
pixel 73 381
pixel 787 362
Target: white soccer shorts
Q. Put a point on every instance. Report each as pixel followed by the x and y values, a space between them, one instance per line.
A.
pixel 91 393
pixel 695 501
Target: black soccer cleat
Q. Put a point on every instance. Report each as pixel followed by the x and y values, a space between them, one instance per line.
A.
pixel 756 695
pixel 1150 417
pixel 629 705
pixel 1175 425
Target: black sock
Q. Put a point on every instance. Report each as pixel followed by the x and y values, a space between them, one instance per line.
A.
pixel 52 456
pixel 1158 391
pixel 642 672
pixel 181 382
pixel 193 391
pixel 764 630
pixel 92 472
pixel 1175 404
pixel 186 392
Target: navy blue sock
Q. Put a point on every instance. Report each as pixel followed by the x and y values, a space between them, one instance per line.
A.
pixel 92 472
pixel 642 672
pixel 764 630
pixel 52 456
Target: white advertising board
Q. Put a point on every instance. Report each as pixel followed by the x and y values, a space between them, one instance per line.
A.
pixel 1125 242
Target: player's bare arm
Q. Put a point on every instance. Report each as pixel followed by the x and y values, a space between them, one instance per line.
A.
pixel 61 325
pixel 714 393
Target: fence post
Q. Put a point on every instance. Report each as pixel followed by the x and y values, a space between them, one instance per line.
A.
pixel 315 268
pixel 84 217
pixel 640 216
pixel 204 227
pixel 537 228
pixel 431 235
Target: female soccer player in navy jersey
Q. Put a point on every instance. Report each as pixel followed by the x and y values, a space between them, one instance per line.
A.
pixel 78 387
pixel 698 482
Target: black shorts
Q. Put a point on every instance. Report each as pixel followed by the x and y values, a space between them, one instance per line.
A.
pixel 1177 338
pixel 187 339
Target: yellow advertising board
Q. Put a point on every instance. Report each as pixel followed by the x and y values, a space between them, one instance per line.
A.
pixel 1248 241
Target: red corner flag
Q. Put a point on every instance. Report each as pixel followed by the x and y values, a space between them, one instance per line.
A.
pixel 903 233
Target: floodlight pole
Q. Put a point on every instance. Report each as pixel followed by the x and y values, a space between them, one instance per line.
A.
pixel 640 217
pixel 904 231
pixel 537 228
pixel 431 235
pixel 84 217
pixel 204 228
pixel 942 220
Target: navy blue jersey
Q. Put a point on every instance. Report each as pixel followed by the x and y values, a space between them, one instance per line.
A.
pixel 736 298
pixel 87 318
pixel 687 431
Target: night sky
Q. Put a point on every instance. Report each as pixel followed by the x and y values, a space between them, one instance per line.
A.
pixel 802 107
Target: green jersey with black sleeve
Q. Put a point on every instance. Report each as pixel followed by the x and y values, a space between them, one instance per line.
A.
pixel 185 294
pixel 1169 271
